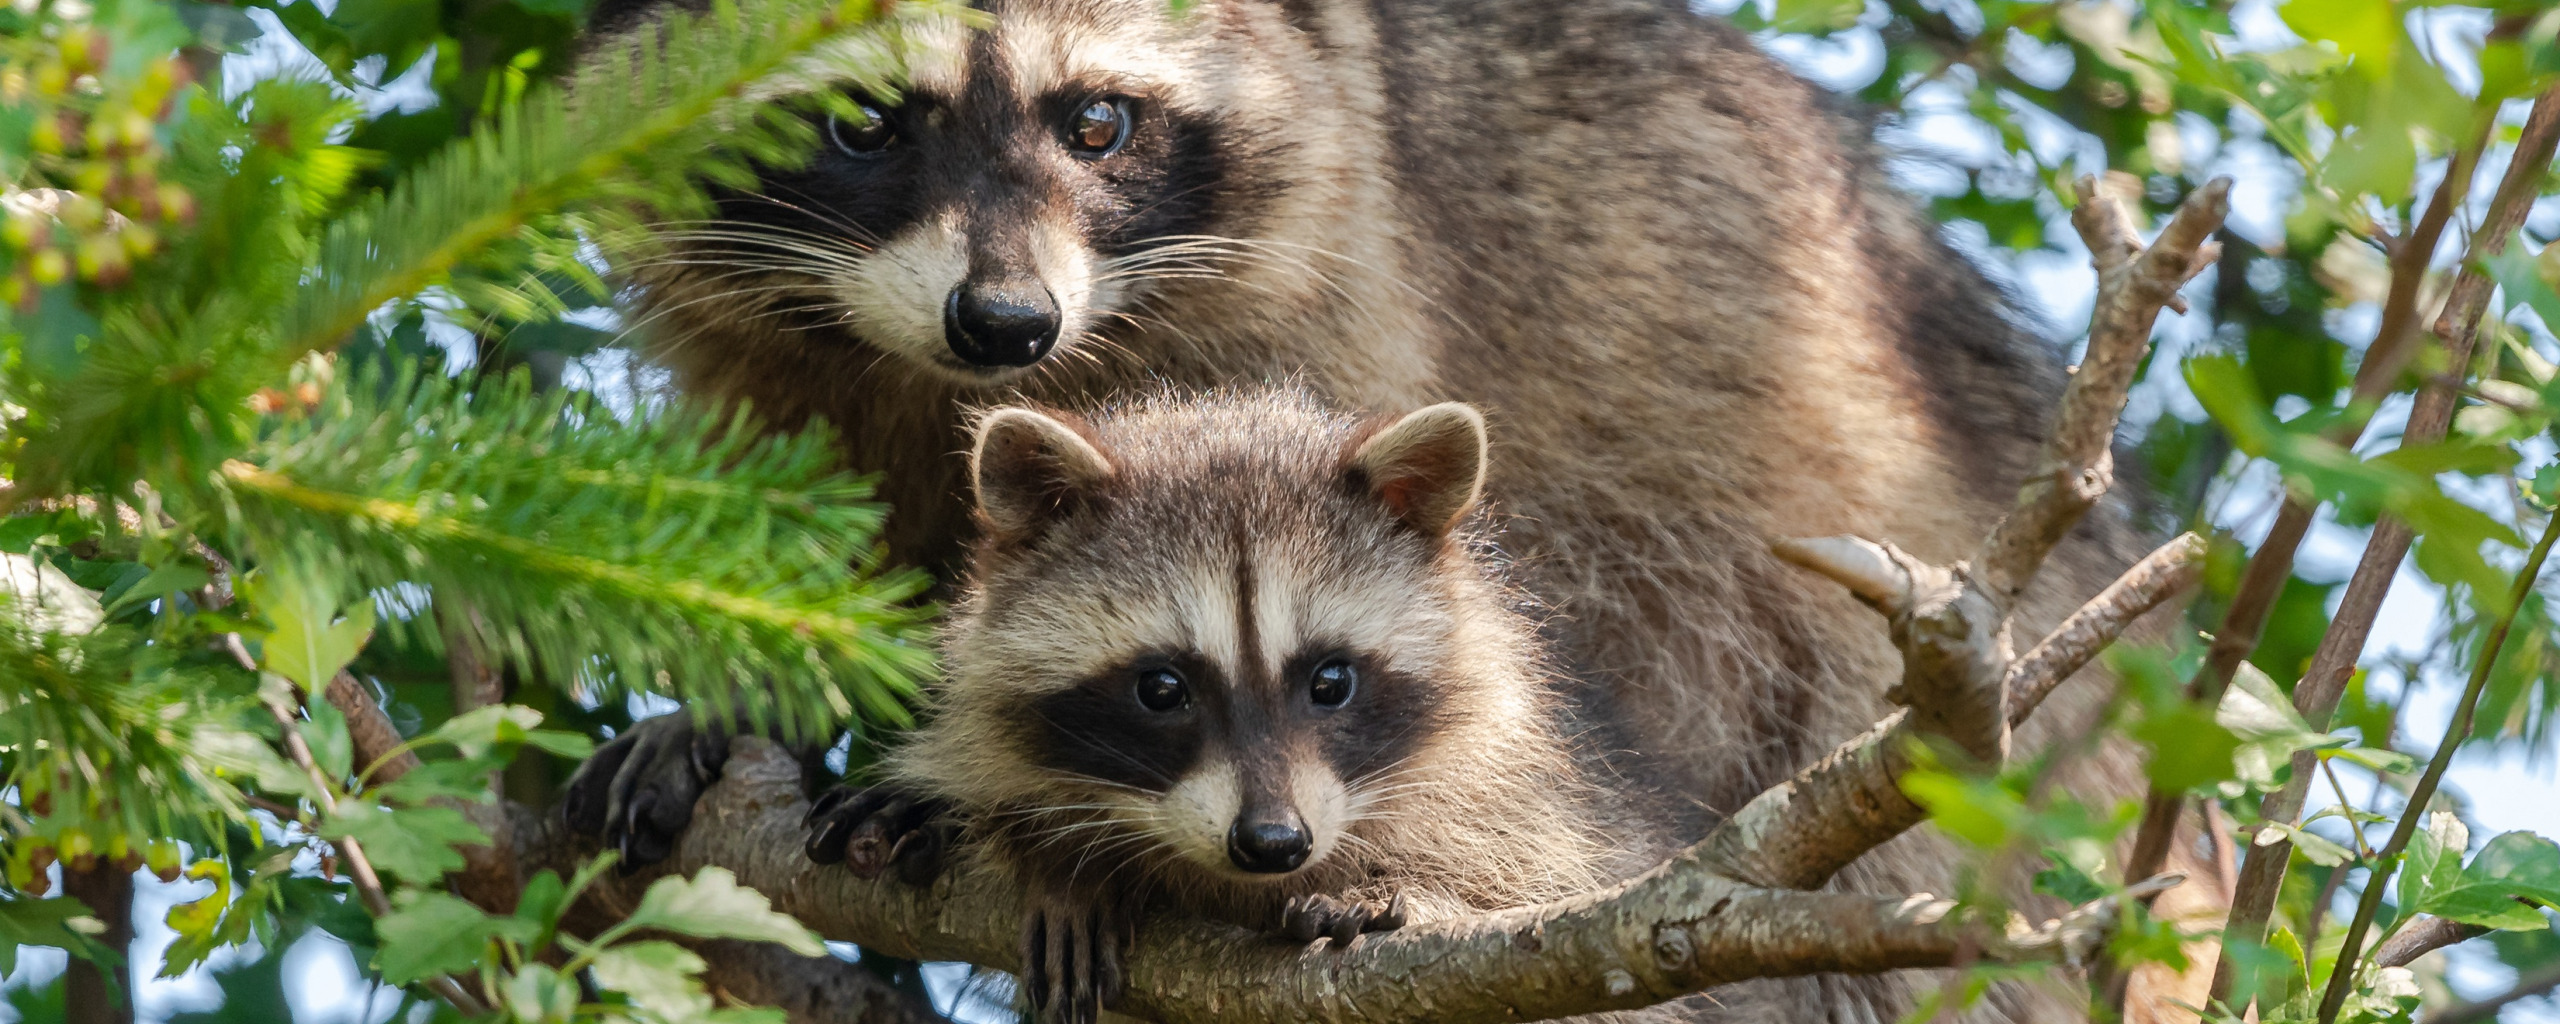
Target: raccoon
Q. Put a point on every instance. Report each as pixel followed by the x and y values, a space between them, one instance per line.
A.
pixel 1239 656
pixel 1673 271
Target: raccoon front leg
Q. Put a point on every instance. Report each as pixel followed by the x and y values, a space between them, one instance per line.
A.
pixel 1310 917
pixel 872 829
pixel 1072 955
pixel 638 791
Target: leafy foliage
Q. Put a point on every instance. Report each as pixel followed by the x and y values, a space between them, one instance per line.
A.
pixel 234 474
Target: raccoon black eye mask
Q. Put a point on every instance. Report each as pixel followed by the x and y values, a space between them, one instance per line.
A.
pixel 1228 656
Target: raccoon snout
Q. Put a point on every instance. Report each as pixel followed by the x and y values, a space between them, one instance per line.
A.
pixel 1007 323
pixel 1269 846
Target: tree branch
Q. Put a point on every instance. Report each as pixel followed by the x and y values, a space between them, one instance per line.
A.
pixel 1676 930
pixel 2341 978
pixel 2426 936
pixel 2324 681
pixel 808 991
pixel 2078 464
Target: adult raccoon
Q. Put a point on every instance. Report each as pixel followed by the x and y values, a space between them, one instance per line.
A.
pixel 1242 657
pixel 1671 272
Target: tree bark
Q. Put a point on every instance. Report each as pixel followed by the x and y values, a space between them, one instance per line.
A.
pixel 94 993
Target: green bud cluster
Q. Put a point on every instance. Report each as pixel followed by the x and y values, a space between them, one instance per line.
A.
pixel 93 146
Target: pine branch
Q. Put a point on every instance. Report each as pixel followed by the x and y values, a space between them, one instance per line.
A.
pixel 691 555
pixel 606 136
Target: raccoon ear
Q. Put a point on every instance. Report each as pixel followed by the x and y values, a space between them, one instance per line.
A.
pixel 1028 467
pixel 1427 467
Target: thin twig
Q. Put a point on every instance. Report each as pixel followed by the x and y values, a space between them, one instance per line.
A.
pixel 359 867
pixel 2324 682
pixel 2394 345
pixel 2169 570
pixel 2077 464
pixel 2342 978
pixel 2355 829
pixel 2425 936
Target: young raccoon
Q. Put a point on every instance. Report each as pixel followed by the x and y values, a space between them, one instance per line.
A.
pixel 1238 656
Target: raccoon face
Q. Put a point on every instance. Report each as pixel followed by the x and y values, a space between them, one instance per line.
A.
pixel 1004 207
pixel 1232 655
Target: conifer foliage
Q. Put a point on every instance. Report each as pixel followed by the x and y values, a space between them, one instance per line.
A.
pixel 230 473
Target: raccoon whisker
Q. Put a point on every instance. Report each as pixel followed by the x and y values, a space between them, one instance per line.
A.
pixel 763 233
pixel 724 294
pixel 1099 747
pixel 822 216
pixel 770 251
pixel 1145 310
pixel 828 218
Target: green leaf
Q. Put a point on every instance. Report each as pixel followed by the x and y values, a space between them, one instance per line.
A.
pixel 2263 718
pixel 2188 749
pixel 159 583
pixel 540 905
pixel 433 933
pixel 500 728
pixel 476 732
pixel 325 732
pixel 711 905
pixel 2312 845
pixel 2485 892
pixel 656 976
pixel 2066 882
pixel 414 843
pixel 2368 31
pixel 310 641
pixel 2521 281
pixel 2433 862
pixel 538 993
pixel 2388 762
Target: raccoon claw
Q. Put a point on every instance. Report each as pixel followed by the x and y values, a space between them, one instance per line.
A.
pixel 873 829
pixel 1317 916
pixel 1071 963
pixel 637 792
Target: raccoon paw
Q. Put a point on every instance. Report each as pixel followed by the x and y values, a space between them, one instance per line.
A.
pixel 637 791
pixel 1071 958
pixel 873 829
pixel 1308 918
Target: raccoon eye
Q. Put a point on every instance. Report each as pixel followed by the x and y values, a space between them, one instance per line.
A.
pixel 1161 690
pixel 1100 129
pixel 868 135
pixel 1333 682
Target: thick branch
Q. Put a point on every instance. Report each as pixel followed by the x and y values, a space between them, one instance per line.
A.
pixel 1801 832
pixel 1678 929
pixel 809 991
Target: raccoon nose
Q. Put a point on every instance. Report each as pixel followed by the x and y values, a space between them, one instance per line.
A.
pixel 1269 847
pixel 1000 324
